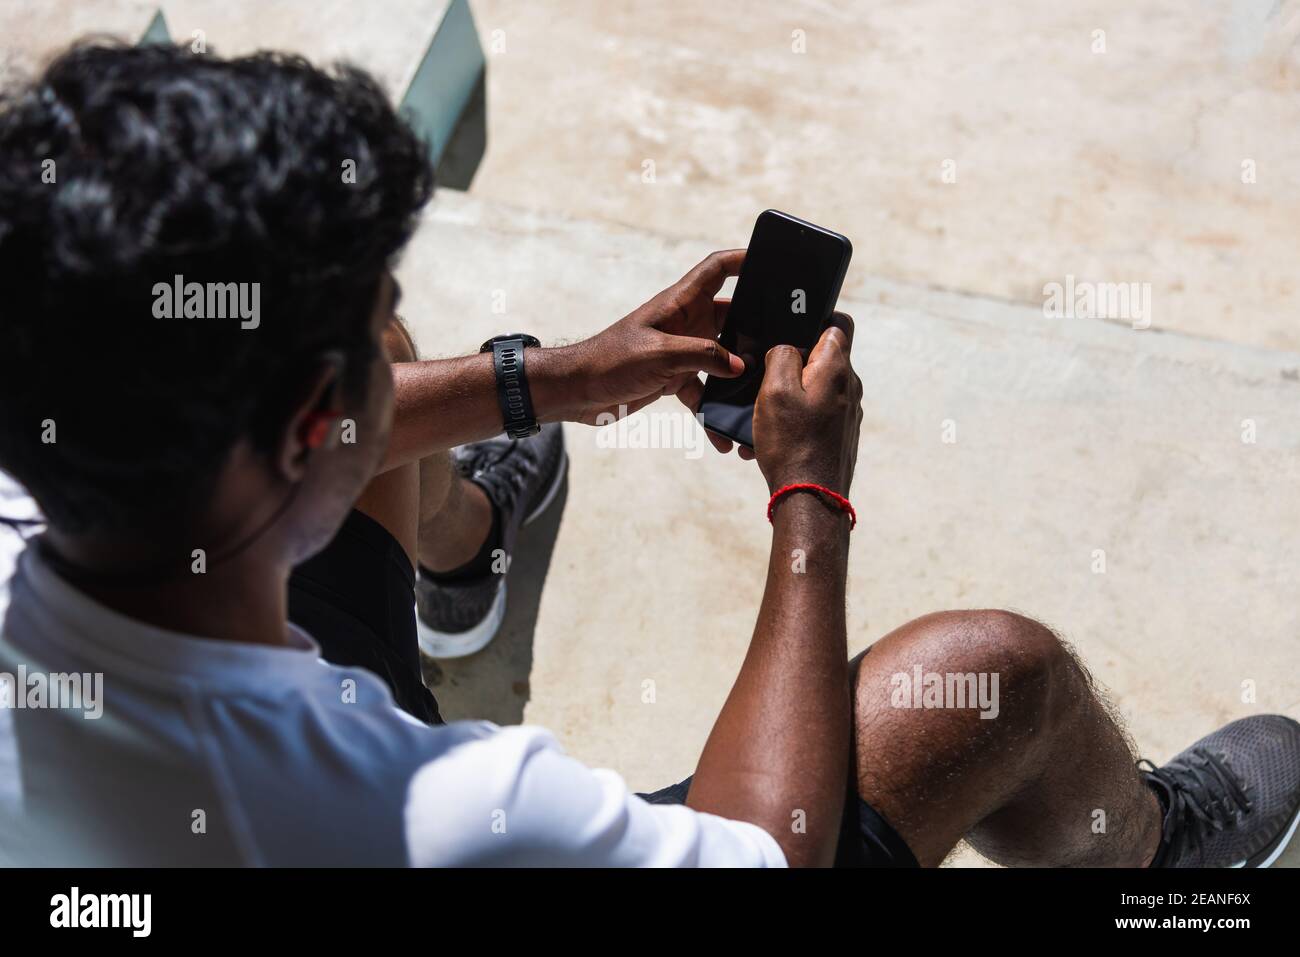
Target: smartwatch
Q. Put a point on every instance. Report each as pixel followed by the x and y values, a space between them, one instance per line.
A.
pixel 512 383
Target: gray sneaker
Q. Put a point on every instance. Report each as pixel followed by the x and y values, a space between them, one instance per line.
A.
pixel 1233 797
pixel 521 477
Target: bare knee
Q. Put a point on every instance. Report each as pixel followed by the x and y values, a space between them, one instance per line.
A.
pixel 937 764
pixel 398 342
pixel 1016 669
pixel 1026 656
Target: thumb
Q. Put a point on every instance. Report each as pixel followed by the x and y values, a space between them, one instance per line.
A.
pixel 784 369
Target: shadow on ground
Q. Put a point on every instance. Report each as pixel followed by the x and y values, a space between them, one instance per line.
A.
pixel 493 685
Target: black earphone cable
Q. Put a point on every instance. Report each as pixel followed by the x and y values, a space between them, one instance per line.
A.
pixel 158 575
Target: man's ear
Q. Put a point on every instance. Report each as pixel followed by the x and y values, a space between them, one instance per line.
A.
pixel 313 417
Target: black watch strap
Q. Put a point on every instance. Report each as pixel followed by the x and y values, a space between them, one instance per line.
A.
pixel 512 383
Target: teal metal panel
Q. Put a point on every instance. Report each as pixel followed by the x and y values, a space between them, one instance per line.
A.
pixel 157 31
pixel 445 80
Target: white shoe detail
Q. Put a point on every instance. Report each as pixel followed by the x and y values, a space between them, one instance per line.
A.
pixel 439 644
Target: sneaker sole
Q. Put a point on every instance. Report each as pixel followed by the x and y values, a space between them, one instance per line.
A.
pixel 462 644
pixel 1271 854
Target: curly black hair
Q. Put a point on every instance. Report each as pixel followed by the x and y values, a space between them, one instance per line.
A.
pixel 123 167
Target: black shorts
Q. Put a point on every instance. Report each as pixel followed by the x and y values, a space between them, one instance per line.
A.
pixel 866 838
pixel 357 600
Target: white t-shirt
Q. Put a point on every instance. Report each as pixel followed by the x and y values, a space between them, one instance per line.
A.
pixel 213 752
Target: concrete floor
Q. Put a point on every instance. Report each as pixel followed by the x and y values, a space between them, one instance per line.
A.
pixel 1072 435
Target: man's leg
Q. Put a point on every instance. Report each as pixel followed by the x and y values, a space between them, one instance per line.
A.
pixel 1027 787
pixel 392 498
pixel 455 516
pixel 440 518
pixel 357 597
pixel 459 529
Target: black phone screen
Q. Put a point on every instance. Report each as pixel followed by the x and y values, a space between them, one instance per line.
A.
pixel 785 294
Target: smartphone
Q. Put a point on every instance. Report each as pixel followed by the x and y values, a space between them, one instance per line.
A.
pixel 785 294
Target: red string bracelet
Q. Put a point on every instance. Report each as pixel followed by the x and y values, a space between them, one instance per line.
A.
pixel 840 501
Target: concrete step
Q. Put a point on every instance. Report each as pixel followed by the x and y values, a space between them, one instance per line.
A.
pixel 388 41
pixel 425 53
pixel 1072 436
pixel 33 30
pixel 1165 154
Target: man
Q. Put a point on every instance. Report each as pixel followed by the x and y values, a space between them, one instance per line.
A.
pixel 188 459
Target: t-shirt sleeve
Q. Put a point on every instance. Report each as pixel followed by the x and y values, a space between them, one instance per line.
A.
pixel 513 798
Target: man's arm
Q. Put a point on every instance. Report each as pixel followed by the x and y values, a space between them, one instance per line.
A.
pixel 778 753
pixel 441 403
pixel 657 350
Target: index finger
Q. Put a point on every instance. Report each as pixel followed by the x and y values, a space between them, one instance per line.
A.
pixel 709 275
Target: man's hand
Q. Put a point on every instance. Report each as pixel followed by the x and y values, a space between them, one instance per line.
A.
pixel 807 417
pixel 657 350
